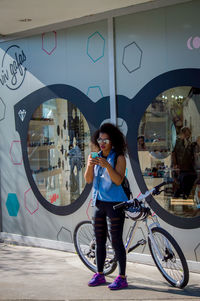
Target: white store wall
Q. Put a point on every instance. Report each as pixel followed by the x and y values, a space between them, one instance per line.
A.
pixel 78 57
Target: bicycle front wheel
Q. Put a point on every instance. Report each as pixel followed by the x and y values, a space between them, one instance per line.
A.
pixel 168 257
pixel 85 246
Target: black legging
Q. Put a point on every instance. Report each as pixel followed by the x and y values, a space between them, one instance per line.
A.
pixel 105 217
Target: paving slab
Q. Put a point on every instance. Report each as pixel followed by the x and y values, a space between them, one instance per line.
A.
pixel 37 274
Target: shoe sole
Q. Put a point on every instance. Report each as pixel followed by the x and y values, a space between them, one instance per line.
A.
pixel 97 284
pixel 117 288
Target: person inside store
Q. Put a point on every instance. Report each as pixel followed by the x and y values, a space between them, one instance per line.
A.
pixel 107 172
pixel 197 169
pixel 183 164
pixel 141 143
pixel 197 157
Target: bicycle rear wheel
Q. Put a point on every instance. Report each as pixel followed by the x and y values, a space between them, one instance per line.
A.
pixel 85 246
pixel 173 265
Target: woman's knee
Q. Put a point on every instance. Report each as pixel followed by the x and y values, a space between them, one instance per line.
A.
pixel 117 243
pixel 100 230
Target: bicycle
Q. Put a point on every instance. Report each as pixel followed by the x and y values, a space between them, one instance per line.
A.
pixel 165 251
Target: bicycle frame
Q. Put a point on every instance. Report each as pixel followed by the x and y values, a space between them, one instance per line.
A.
pixel 155 223
pixel 142 241
pixel 131 237
pixel 150 235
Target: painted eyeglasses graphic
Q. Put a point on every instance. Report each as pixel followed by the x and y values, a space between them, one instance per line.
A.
pixel 55 124
pixel 55 127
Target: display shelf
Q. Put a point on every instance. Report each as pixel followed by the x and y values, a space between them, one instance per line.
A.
pixel 48 173
pixel 175 201
pixel 41 147
pixel 41 122
pixel 156 119
pixel 157 143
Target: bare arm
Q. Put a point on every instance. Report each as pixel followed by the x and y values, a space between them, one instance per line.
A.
pixel 89 173
pixel 117 174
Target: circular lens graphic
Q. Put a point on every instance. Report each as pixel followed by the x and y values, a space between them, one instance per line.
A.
pixel 57 161
pixel 169 148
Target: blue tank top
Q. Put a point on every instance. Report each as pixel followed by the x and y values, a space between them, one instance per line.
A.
pixel 103 187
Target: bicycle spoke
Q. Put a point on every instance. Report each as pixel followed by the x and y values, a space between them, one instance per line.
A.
pixel 85 246
pixel 172 265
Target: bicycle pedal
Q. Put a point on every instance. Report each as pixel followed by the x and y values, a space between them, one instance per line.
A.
pixel 142 241
pixel 90 254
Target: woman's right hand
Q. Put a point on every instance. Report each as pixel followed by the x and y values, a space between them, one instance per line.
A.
pixel 89 173
pixel 92 161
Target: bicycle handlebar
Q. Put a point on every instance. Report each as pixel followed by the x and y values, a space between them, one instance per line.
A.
pixel 160 185
pixel 137 202
pixel 156 188
pixel 133 202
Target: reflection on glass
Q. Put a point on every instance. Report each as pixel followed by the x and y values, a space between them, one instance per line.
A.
pixel 58 145
pixel 169 147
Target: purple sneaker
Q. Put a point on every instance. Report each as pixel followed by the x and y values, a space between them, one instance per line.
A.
pixel 118 283
pixel 97 279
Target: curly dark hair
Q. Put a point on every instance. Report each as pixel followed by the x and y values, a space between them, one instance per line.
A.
pixel 116 137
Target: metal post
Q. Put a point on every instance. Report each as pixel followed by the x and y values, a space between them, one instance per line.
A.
pixel 111 60
pixel 0 206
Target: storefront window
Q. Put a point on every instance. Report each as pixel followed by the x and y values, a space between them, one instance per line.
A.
pixel 58 147
pixel 169 147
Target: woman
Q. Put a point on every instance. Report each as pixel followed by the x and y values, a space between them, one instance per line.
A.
pixel 107 172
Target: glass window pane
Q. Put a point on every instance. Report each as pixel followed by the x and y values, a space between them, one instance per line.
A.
pixel 169 147
pixel 58 147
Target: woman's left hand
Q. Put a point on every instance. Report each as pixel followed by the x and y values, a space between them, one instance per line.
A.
pixel 103 162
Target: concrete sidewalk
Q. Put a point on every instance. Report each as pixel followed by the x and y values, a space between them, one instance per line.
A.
pixel 28 273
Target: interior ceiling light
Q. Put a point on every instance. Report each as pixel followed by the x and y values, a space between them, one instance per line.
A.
pixel 25 20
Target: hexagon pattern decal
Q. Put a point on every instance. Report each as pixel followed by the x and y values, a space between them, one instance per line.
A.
pixel 89 210
pixel 64 235
pixel 94 93
pixel 30 203
pixel 197 252
pixel 12 204
pixel 2 109
pixel 15 152
pixel 132 57
pixel 95 46
pixel 49 42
